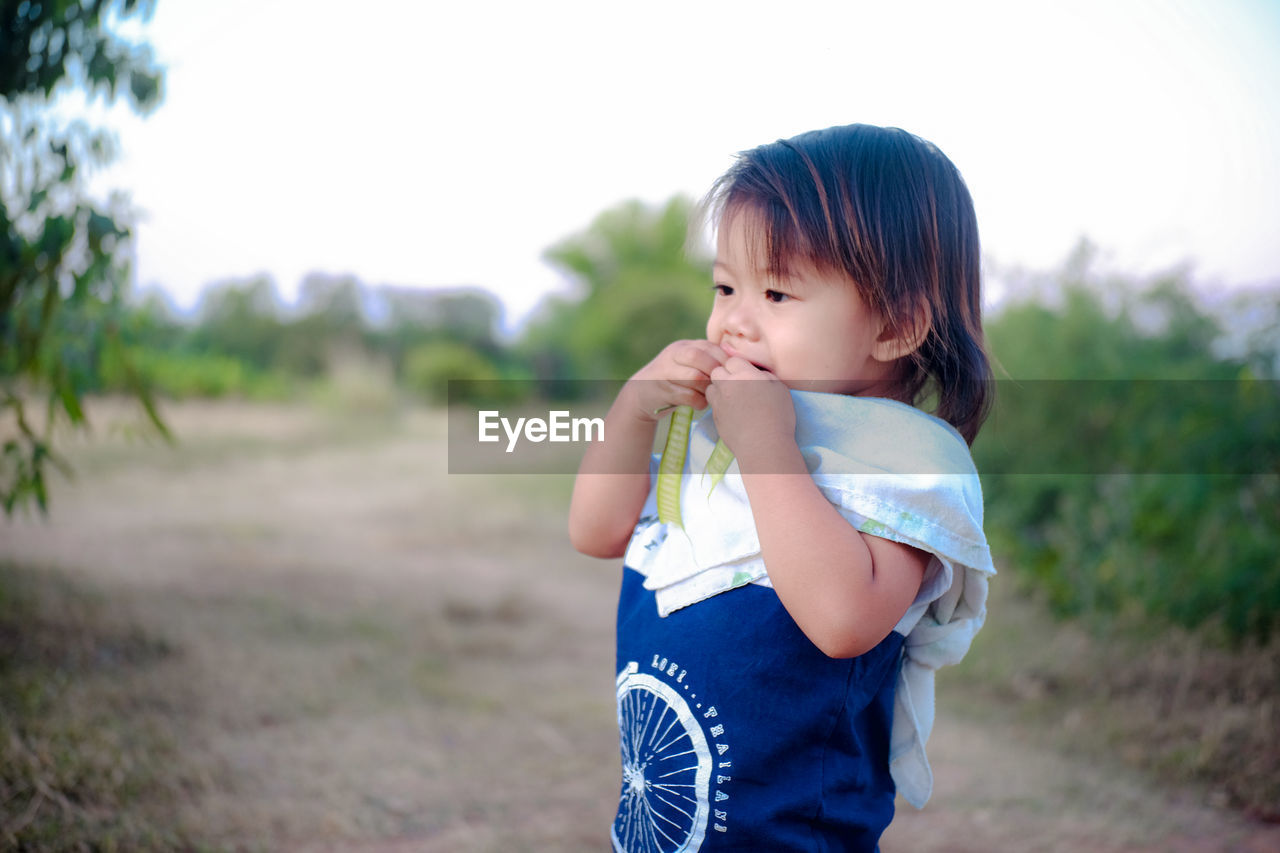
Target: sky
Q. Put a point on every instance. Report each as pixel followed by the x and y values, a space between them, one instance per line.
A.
pixel 438 144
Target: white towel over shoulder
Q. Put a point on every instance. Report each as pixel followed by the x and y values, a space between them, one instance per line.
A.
pixel 892 471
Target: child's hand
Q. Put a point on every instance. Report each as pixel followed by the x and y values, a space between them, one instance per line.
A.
pixel 752 409
pixel 677 376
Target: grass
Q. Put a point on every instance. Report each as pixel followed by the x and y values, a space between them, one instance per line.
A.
pixel 1170 703
pixel 85 762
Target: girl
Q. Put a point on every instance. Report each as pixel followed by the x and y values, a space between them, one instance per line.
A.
pixel 781 614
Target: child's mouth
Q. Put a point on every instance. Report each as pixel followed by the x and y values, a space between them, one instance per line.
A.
pixel 732 352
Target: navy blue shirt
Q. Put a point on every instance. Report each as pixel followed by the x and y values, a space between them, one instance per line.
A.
pixel 737 733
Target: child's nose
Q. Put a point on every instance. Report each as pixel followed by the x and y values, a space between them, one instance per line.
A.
pixel 739 321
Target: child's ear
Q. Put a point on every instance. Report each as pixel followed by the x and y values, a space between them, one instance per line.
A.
pixel 892 344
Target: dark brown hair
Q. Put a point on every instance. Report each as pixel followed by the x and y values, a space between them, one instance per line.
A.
pixel 889 211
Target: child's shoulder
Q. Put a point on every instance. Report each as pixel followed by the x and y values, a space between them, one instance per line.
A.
pixel 894 434
pixel 897 413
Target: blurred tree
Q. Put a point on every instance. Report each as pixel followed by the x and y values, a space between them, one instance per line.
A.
pixel 1079 324
pixel 638 290
pixel 63 257
pixel 1132 468
pixel 1254 319
pixel 468 316
pixel 153 322
pixel 330 321
pixel 240 319
pixel 410 319
pixel 431 367
pixel 336 302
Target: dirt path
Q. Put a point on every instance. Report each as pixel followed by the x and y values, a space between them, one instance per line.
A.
pixel 370 654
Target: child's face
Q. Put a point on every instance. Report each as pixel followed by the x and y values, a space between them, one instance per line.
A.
pixel 811 330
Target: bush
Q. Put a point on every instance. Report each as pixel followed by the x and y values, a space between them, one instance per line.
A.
pixel 1153 499
pixel 184 375
pixel 430 368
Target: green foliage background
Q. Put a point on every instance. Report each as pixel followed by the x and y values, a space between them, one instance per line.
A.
pixel 1136 454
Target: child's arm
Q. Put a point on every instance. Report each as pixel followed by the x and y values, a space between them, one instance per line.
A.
pixel 606 506
pixel 845 589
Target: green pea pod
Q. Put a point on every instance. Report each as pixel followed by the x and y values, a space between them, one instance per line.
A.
pixel 719 462
pixel 671 466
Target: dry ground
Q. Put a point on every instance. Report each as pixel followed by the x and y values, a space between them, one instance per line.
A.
pixel 317 639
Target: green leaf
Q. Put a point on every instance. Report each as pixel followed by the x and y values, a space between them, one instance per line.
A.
pixel 71 404
pixel 671 466
pixel 718 463
pixel 37 199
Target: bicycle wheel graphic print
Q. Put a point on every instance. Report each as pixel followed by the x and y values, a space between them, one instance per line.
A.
pixel 666 769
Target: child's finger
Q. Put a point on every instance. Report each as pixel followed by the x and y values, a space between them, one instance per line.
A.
pixel 716 352
pixel 683 395
pixel 700 355
pixel 736 367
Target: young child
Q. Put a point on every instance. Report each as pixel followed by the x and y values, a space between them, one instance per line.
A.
pixel 780 618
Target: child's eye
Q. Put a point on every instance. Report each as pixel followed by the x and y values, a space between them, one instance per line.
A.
pixel 776 296
pixel 722 289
